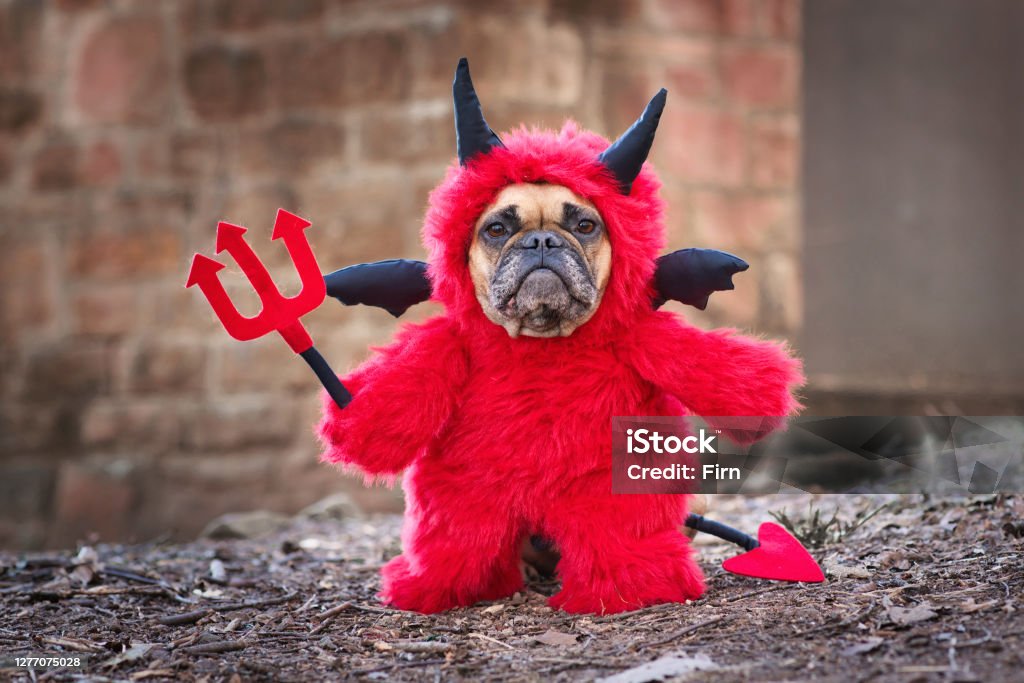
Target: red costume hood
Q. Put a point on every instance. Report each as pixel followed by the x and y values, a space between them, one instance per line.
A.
pixel 569 157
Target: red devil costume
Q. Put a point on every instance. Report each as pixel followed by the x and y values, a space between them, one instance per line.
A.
pixel 500 437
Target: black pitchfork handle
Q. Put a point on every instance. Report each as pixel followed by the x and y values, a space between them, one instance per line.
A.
pixel 323 371
pixel 722 531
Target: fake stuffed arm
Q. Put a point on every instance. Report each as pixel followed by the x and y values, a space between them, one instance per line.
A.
pixel 719 373
pixel 401 398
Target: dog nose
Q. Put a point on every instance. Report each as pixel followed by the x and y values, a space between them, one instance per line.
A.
pixel 541 239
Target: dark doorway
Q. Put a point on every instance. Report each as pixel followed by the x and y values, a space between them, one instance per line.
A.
pixel 913 197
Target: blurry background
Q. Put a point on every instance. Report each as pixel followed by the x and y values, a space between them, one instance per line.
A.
pixel 128 129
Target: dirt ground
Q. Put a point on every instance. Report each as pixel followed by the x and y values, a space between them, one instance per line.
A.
pixel 926 590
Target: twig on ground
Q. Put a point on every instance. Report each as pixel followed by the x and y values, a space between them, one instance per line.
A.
pixel 232 606
pixel 481 636
pixel 750 594
pixel 215 648
pixel 184 618
pixel 397 665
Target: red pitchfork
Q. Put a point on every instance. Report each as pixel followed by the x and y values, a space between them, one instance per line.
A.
pixel 279 312
pixel 775 554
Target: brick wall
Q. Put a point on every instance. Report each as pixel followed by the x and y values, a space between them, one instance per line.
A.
pixel 127 129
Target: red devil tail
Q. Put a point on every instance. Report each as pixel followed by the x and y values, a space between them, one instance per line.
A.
pixel 775 554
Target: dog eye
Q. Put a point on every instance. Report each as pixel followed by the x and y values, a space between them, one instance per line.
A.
pixel 496 230
pixel 586 227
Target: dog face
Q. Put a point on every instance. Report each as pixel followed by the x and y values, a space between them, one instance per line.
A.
pixel 540 260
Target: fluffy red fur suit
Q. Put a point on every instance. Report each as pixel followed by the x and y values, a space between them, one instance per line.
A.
pixel 501 437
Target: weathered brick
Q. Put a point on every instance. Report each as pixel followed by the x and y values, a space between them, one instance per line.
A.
pixel 507 116
pixel 718 17
pixel 360 221
pixel 56 166
pixel 355 69
pixel 409 137
pixel 244 15
pixel 781 295
pixel 678 199
pixel 192 155
pixel 765 77
pixel 44 427
pixel 238 426
pixel 27 299
pixel 100 164
pixel 20 38
pixel 112 256
pixel 692 82
pixel 78 5
pixel 434 49
pixel 743 221
pixel 26 488
pixel 294 145
pixel 19 108
pixel 133 426
pixel 68 371
pixel 122 72
pixel 263 365
pixel 739 307
pixel 226 83
pixel 774 153
pixel 107 312
pixel 93 498
pixel 25 535
pixel 781 19
pixel 7 151
pixel 626 89
pixel 172 308
pixel 547 69
pixel 168 367
pixel 188 492
pixel 195 154
pixel 708 145
pixel 613 12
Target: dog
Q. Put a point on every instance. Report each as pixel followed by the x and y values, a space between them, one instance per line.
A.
pixel 543 249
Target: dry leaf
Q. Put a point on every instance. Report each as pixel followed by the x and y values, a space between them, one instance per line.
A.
pixel 868 645
pixel 660 669
pixel 553 637
pixel 841 571
pixel 134 653
pixel 218 572
pixel 86 566
pixel 970 606
pixel 904 616
pixel 152 673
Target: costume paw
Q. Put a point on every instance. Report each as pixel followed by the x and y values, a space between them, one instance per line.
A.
pixel 632 584
pixel 430 593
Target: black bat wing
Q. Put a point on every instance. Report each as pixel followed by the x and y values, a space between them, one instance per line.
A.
pixel 689 276
pixel 692 275
pixel 393 285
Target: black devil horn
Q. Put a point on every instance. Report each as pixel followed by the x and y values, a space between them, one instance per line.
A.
pixel 625 156
pixel 472 134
